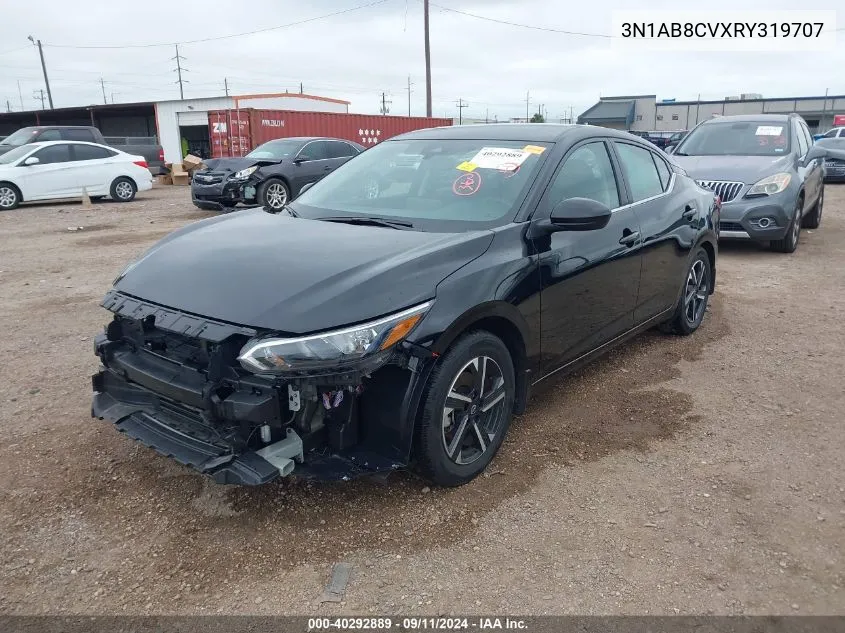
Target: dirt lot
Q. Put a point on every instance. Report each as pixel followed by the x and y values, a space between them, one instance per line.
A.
pixel 697 475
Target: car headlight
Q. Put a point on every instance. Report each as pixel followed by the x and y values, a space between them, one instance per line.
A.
pixel 276 355
pixel 770 185
pixel 244 173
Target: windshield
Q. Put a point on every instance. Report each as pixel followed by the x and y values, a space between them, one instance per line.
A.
pixel 275 150
pixel 737 138
pixel 22 136
pixel 16 154
pixel 438 185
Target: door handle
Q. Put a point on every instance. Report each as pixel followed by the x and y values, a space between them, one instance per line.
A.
pixel 689 212
pixel 327 168
pixel 629 239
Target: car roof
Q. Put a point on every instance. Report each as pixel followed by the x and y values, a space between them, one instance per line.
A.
pixel 47 143
pixel 303 139
pixel 751 118
pixel 537 132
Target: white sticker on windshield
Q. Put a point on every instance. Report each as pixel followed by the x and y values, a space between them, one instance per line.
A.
pixel 769 130
pixel 500 158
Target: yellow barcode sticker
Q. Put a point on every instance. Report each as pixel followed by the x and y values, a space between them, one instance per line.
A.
pixel 533 149
pixel 467 166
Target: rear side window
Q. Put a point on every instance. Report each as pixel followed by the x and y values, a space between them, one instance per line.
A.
pixel 802 140
pixel 78 135
pixel 640 171
pixel 92 152
pixel 53 154
pixel 662 171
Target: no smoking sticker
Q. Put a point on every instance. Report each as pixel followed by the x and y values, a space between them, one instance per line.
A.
pixel 467 184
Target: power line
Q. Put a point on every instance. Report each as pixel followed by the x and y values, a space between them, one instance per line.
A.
pixel 14 50
pixel 523 26
pixel 224 37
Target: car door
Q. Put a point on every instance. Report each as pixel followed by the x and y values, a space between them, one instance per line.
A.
pixel 807 173
pixel 94 168
pixel 589 279
pixel 668 216
pixel 53 176
pixel 311 163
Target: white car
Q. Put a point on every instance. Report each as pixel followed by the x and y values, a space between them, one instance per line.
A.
pixel 64 169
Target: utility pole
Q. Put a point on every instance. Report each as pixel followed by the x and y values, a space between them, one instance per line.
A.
pixel 427 61
pixel 103 86
pixel 487 115
pixel 44 70
pixel 527 103
pixel 409 94
pixel 226 85
pixel 20 94
pixel 385 103
pixel 301 91
pixel 39 94
pixel 8 106
pixel 179 70
pixel 461 106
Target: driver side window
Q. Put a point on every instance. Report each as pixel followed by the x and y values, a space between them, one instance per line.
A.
pixel 587 173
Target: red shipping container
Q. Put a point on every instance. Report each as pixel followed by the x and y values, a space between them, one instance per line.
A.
pixel 237 132
pixel 838 120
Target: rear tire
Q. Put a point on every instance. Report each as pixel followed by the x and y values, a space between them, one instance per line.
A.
pixel 466 411
pixel 123 190
pixel 692 304
pixel 790 241
pixel 274 194
pixel 10 196
pixel 814 218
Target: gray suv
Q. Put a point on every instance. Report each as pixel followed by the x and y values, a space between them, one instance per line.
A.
pixel 766 170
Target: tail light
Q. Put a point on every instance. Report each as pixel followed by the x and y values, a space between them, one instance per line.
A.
pixel 141 163
pixel 161 155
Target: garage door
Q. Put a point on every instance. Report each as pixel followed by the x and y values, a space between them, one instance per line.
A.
pixel 193 118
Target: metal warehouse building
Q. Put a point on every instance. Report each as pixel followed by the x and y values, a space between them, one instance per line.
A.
pixel 166 122
pixel 643 113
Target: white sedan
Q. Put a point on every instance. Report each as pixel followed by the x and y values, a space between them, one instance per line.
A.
pixel 66 169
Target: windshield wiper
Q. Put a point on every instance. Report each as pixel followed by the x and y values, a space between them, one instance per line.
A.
pixel 680 154
pixel 361 219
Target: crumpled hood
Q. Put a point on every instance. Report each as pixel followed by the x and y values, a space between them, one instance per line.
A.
pixel 293 275
pixel 232 165
pixel 747 169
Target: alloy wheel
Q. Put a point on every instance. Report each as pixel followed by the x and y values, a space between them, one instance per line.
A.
pixel 7 197
pixel 695 299
pixel 474 412
pixel 796 223
pixel 277 197
pixel 123 190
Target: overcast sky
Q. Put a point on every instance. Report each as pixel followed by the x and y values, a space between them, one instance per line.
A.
pixel 359 54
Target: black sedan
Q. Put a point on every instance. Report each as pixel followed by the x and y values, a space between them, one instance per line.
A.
pixel 397 313
pixel 271 174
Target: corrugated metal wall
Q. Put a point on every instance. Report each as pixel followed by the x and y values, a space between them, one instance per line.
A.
pixel 167 120
pixel 259 126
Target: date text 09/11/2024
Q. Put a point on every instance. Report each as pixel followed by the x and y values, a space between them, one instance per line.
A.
pixel 415 624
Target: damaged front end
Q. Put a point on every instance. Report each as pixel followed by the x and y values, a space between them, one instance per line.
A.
pixel 221 399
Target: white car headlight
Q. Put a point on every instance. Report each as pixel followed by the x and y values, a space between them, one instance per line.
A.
pixel 276 355
pixel 244 173
pixel 769 185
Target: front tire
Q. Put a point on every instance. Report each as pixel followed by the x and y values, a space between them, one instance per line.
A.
pixel 466 411
pixel 274 194
pixel 692 304
pixel 790 241
pixel 10 196
pixel 123 190
pixel 813 219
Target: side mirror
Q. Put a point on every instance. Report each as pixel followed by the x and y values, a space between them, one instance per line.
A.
pixel 306 187
pixel 32 160
pixel 816 151
pixel 301 159
pixel 580 214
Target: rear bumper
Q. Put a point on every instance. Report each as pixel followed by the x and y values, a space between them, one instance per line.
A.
pixel 834 172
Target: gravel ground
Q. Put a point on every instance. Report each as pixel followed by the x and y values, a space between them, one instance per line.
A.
pixel 677 475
